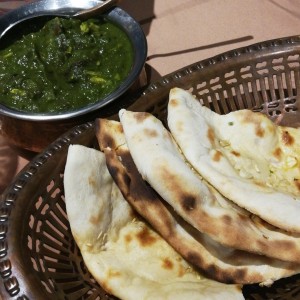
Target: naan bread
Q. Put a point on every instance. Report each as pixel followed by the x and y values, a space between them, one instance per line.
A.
pixel 216 261
pixel 121 251
pixel 242 154
pixel 159 161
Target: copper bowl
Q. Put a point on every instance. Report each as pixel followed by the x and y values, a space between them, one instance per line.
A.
pixel 34 131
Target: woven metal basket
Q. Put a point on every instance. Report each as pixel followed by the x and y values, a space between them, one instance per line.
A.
pixel 38 256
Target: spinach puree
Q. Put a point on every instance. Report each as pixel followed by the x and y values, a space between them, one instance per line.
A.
pixel 65 65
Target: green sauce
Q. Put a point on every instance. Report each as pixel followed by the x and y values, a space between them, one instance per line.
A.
pixel 65 65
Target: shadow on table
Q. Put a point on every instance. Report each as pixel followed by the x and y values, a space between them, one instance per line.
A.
pixel 143 12
pixel 12 160
pixel 295 12
pixel 8 164
pixel 203 47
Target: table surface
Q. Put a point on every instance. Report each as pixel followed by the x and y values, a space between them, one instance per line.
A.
pixel 182 32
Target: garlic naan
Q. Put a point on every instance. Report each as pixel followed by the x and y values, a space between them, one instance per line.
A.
pixel 246 157
pixel 159 161
pixel 121 251
pixel 214 260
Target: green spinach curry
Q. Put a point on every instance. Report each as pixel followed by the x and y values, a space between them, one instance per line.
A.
pixel 65 65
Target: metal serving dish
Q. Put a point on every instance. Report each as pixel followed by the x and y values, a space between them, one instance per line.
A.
pixel 38 256
pixel 35 131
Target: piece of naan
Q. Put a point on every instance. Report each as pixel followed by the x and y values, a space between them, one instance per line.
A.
pixel 216 261
pixel 121 251
pixel 159 161
pixel 246 157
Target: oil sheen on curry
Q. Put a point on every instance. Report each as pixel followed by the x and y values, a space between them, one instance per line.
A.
pixel 65 65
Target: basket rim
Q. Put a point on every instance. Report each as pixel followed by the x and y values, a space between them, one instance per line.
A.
pixel 12 201
pixel 263 48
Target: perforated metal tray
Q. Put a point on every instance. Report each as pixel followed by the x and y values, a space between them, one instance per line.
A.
pixel 38 256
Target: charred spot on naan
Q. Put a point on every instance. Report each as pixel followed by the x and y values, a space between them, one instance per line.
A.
pixel 241 273
pixel 211 135
pixel 188 202
pixel 95 219
pixel 288 246
pixel 237 275
pixel 280 245
pixel 287 139
pixel 235 153
pixel 145 238
pixel 277 153
pixel 194 258
pixel 259 131
pixel 262 126
pixel 167 263
pixel 173 102
pixel 128 238
pixel 259 183
pixel 140 117
pixel 103 127
pixel 297 183
pixel 182 271
pixel 217 156
pixel 179 126
pixel 112 273
pixel 226 219
pixel 91 180
pixel 151 133
pixel 118 174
